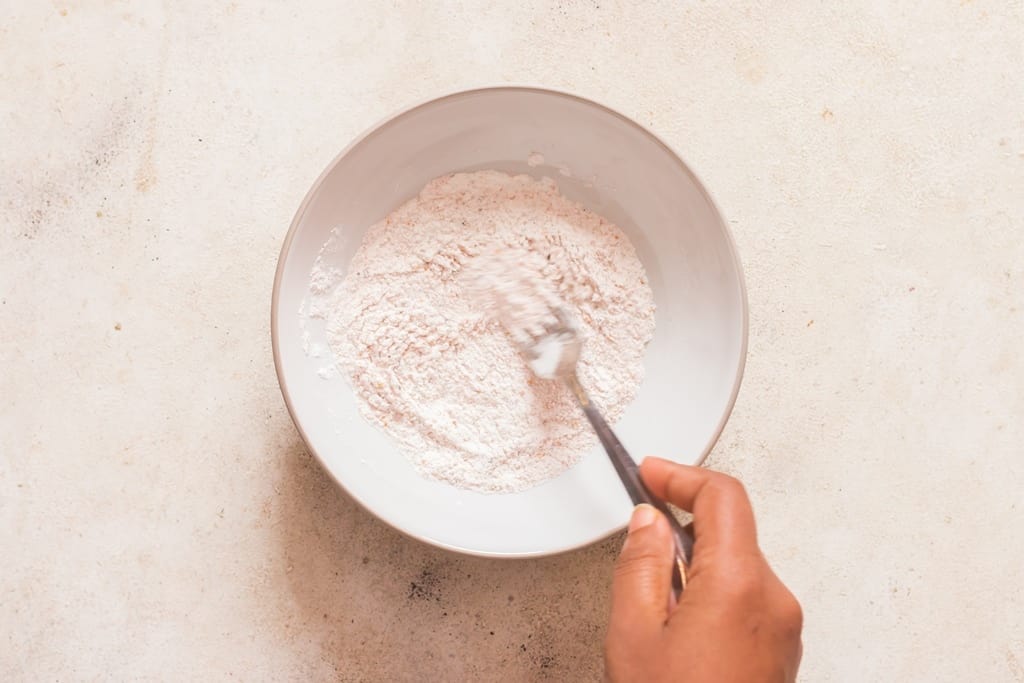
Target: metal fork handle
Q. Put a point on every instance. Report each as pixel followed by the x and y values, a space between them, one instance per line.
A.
pixel 629 473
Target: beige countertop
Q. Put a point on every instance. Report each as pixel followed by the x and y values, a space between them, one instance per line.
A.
pixel 159 517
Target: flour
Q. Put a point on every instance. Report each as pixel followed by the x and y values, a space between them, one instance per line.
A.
pixel 439 373
pixel 516 290
pixel 517 287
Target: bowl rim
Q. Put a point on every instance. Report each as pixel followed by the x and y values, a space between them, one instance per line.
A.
pixel 380 124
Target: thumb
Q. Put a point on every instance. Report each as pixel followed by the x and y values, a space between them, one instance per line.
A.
pixel 643 573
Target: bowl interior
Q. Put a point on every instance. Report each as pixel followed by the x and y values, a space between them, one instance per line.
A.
pixel 612 166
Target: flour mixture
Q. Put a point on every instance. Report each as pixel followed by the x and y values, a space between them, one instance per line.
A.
pixel 438 373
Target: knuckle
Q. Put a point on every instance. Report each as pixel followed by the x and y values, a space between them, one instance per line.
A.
pixel 746 588
pixel 728 486
pixel 672 480
pixel 635 561
pixel 742 587
pixel 790 614
pixel 642 547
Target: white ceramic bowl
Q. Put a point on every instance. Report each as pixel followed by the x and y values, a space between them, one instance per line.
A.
pixel 618 169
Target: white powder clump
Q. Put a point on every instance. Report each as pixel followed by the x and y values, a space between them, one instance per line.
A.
pixel 439 373
pixel 512 286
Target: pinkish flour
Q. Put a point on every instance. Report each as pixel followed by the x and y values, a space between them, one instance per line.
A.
pixel 439 374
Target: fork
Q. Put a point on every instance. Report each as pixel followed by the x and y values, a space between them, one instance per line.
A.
pixel 553 354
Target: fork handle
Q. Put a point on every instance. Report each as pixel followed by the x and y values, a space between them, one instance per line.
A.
pixel 629 473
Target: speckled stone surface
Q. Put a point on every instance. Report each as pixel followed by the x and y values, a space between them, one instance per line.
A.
pixel 159 518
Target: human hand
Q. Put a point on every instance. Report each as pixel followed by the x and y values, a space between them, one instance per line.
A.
pixel 734 622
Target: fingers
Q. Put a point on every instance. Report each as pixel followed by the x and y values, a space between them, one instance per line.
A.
pixel 722 516
pixel 643 574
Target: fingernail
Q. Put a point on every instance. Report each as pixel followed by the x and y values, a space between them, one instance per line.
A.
pixel 643 515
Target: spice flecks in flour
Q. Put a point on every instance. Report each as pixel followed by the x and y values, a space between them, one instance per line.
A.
pixel 440 375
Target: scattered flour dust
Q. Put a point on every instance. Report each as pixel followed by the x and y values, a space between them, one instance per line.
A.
pixel 439 373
